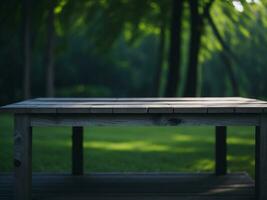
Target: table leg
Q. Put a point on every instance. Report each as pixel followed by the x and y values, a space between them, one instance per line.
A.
pixel 261 159
pixel 257 160
pixel 22 157
pixel 77 150
pixel 220 151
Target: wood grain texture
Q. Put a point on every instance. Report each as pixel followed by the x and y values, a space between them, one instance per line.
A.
pixel 257 161
pixel 22 157
pixel 129 186
pixel 143 119
pixel 77 150
pixel 138 105
pixel 261 164
pixel 221 150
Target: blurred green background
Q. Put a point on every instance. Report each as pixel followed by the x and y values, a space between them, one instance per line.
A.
pixel 132 48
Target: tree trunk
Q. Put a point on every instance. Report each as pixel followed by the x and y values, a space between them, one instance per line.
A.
pixel 159 66
pixel 228 65
pixel 27 49
pixel 227 56
pixel 196 27
pixel 49 51
pixel 175 49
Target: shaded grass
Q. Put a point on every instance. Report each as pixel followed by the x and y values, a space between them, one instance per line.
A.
pixel 186 149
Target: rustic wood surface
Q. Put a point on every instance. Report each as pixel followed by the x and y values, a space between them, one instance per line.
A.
pixel 23 157
pixel 77 150
pixel 135 186
pixel 261 159
pixel 79 112
pixel 221 150
pixel 145 119
pixel 138 105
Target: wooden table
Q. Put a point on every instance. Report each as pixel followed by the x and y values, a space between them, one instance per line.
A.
pixel 80 112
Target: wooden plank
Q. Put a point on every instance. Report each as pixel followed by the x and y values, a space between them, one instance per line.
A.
pixel 102 109
pixel 239 178
pixel 133 109
pixel 160 109
pixel 138 105
pixel 138 186
pixel 222 109
pixel 220 151
pixel 157 99
pixel 262 162
pixel 189 109
pixel 249 109
pixel 77 150
pixel 72 108
pixel 153 197
pixel 118 108
pixel 22 157
pixel 149 99
pixel 201 102
pixel 144 119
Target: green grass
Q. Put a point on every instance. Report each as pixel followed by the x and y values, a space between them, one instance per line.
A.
pixel 183 149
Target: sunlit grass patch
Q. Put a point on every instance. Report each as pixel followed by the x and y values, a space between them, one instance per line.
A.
pixel 180 149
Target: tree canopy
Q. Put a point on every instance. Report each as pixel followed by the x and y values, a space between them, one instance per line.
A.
pixel 132 48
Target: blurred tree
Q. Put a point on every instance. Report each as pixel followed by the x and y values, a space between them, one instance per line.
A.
pixel 174 49
pixel 196 31
pixel 227 57
pixel 162 20
pixel 27 46
pixel 160 60
pixel 49 50
pixel 235 25
pixel 135 19
pixel 117 48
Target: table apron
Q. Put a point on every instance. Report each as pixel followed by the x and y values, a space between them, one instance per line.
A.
pixel 144 119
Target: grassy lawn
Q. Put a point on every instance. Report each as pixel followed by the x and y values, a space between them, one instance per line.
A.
pixel 183 149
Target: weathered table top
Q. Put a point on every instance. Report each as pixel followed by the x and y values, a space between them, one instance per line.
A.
pixel 138 105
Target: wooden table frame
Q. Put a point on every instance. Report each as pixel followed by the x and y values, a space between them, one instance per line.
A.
pixel 25 122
